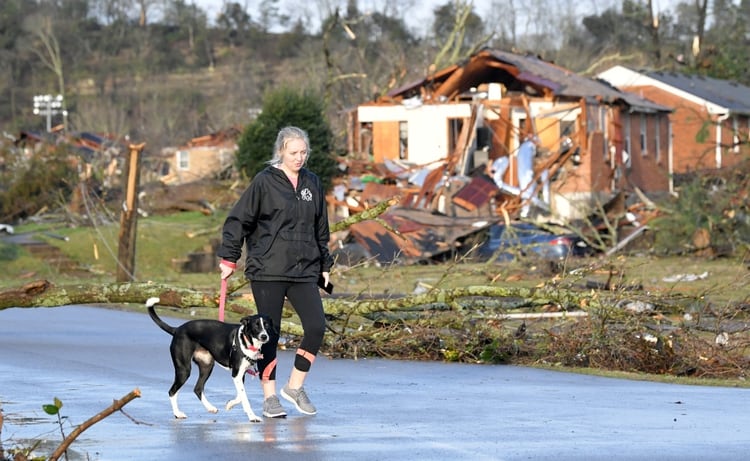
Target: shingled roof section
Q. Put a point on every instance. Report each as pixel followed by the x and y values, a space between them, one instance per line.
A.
pixel 725 93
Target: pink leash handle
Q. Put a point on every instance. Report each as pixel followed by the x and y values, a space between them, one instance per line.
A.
pixel 222 299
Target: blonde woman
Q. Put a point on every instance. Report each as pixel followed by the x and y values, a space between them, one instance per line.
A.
pixel 282 221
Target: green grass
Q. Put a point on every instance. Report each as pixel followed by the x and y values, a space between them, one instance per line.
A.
pixel 160 240
pixel 17 265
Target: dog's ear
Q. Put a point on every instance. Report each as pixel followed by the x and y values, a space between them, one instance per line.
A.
pixel 269 323
pixel 247 321
pixel 253 322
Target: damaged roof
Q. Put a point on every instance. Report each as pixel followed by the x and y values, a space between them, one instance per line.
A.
pixel 524 73
pixel 421 236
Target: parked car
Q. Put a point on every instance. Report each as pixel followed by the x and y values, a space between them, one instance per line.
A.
pixel 525 239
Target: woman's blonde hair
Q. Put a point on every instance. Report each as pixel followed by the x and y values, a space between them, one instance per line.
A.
pixel 285 135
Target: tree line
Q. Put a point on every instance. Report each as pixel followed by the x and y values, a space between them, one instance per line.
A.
pixel 163 71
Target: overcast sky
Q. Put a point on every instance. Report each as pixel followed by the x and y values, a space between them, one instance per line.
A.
pixel 418 16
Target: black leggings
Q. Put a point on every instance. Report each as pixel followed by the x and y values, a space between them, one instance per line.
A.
pixel 305 299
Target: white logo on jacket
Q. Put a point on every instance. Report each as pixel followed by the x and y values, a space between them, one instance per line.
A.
pixel 306 195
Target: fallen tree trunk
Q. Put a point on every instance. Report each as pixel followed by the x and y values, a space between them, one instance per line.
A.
pixel 469 324
pixel 523 297
pixel 42 293
pixel 348 314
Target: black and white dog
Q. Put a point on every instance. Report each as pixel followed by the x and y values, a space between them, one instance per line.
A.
pixel 233 346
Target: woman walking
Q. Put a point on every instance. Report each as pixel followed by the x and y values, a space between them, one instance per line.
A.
pixel 282 221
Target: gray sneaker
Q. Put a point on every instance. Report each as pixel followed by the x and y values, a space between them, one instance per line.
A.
pixel 299 398
pixel 272 408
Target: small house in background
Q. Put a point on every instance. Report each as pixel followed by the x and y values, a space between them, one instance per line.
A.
pixel 592 140
pixel 206 157
pixel 711 118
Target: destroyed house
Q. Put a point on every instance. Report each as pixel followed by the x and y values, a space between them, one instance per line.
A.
pixel 591 139
pixel 92 151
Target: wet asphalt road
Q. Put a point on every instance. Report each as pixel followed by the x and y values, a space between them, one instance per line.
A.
pixel 367 409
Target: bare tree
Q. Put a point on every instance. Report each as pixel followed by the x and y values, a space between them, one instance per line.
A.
pixel 459 30
pixel 47 48
pixel 503 21
pixel 144 8
pixel 111 11
pixel 653 28
pixel 701 8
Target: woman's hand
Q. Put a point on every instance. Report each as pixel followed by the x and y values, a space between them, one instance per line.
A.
pixel 227 269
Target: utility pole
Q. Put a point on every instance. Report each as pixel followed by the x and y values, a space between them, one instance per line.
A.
pixel 129 216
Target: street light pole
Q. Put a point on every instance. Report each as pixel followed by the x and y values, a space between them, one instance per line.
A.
pixel 48 105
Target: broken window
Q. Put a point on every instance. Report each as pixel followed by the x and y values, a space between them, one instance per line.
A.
pixel 605 132
pixel 454 131
pixel 626 150
pixel 403 138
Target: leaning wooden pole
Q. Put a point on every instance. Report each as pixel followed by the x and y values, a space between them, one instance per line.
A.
pixel 129 216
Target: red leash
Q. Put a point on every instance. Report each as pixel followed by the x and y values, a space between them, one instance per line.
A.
pixel 222 299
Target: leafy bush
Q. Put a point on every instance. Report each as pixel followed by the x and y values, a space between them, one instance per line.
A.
pixel 282 108
pixel 716 203
pixel 46 179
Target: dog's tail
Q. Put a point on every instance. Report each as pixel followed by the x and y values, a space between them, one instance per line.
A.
pixel 150 303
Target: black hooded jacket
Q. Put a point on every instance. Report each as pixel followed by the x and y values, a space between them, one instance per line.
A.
pixel 285 231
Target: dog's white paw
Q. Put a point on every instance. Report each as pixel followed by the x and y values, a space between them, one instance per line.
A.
pixel 207 405
pixel 253 418
pixel 175 409
pixel 232 403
